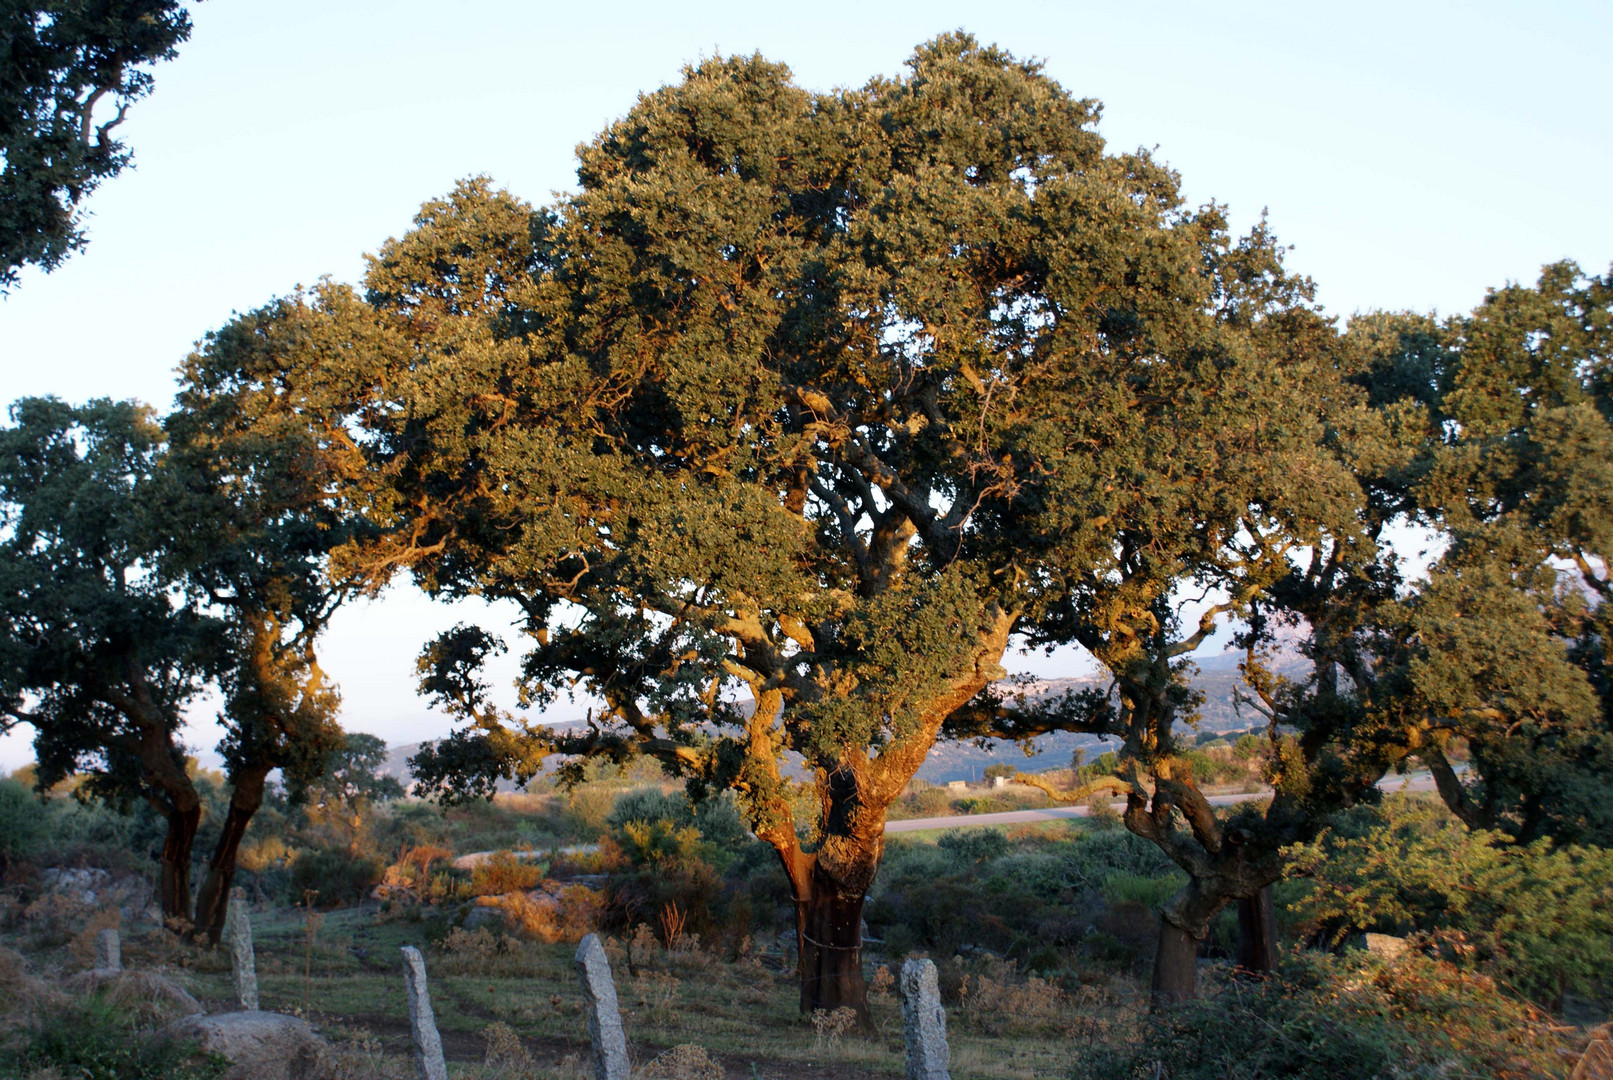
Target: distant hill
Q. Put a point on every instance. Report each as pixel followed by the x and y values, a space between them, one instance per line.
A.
pixel 1216 679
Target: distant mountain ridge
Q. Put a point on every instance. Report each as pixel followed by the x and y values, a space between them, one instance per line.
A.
pixel 1217 679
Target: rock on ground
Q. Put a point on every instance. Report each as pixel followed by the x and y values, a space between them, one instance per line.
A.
pixel 131 894
pixel 1387 946
pixel 259 1045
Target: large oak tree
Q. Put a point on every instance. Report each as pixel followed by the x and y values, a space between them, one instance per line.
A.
pixel 819 400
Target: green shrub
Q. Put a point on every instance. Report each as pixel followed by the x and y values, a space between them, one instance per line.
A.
pixel 649 804
pixel 1215 769
pixel 1038 899
pixel 1102 815
pixel 1327 1018
pixel 70 831
pixel 1149 892
pixel 338 877
pixel 1094 856
pixel 1538 917
pixel 715 822
pixel 1042 874
pixel 96 1041
pixel 967 846
pixel 503 873
pixel 22 821
pixel 677 854
pixel 983 804
pixel 921 802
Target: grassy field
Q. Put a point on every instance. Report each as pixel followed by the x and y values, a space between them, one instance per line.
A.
pixel 1042 934
pixel 342 970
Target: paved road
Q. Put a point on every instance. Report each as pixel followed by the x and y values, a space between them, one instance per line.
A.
pixel 1414 782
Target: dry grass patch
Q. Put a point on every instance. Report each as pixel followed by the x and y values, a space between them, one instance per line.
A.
pixel 688 1061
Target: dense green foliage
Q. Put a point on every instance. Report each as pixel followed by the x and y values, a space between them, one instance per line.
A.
pixel 72 69
pixel 95 1040
pixel 1329 1017
pixel 96 656
pixel 1050 903
pixel 70 830
pixel 94 653
pixel 1514 623
pixel 1535 916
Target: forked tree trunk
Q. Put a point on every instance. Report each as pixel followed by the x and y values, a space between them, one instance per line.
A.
pixel 1175 965
pixel 212 903
pixel 1257 933
pixel 173 888
pixel 1185 924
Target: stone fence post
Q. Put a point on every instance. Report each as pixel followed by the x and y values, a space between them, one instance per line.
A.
pixel 924 1022
pixel 428 1060
pixel 604 1016
pixel 108 951
pixel 242 958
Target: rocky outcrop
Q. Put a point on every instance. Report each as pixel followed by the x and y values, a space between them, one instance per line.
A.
pixel 259 1045
pixel 92 887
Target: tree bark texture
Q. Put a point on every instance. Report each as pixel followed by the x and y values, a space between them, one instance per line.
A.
pixel 212 903
pixel 829 929
pixel 1257 932
pixel 174 880
pixel 1175 965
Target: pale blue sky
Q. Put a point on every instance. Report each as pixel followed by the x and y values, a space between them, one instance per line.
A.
pixel 1413 153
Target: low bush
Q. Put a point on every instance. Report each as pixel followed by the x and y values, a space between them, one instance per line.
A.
pixel 23 827
pixel 921 802
pixel 994 998
pixel 970 846
pixel 1538 917
pixel 336 877
pixel 95 1040
pixel 1146 891
pixel 482 953
pixel 1218 765
pixel 983 804
pixel 71 832
pixel 1039 899
pixel 1329 1017
pixel 502 872
pixel 1096 855
pixel 715 821
pixel 575 912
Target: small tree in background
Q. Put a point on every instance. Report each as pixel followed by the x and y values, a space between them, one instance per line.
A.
pixel 269 490
pixel 95 652
pixel 349 784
